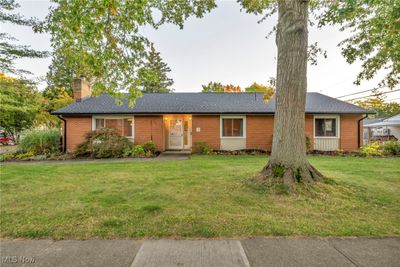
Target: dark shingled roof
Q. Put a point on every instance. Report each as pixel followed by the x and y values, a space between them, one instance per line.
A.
pixel 203 103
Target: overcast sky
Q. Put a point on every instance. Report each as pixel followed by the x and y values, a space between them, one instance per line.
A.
pixel 227 46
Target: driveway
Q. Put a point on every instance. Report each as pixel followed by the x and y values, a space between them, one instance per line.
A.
pixel 229 252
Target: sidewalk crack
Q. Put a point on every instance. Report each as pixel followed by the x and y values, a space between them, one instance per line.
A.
pixel 344 255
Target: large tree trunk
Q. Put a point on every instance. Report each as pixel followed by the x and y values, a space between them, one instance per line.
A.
pixel 288 160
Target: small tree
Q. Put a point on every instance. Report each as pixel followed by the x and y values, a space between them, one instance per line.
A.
pixel 19 105
pixel 153 75
pixel 259 88
pixel 213 87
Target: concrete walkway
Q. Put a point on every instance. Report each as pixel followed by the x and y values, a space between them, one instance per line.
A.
pixel 168 252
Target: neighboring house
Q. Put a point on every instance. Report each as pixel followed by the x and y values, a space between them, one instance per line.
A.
pixel 228 121
pixel 381 129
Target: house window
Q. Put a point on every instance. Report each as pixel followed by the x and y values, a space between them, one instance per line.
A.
pixel 232 127
pixel 326 127
pixel 99 123
pixel 123 126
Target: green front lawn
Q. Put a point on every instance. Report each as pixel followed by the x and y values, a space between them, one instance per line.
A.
pixel 207 196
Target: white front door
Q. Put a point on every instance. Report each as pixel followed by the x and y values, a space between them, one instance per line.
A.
pixel 175 134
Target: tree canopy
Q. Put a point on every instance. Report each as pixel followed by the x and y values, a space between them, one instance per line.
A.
pixel 373 26
pixel 267 91
pixel 9 50
pixel 382 108
pixel 102 40
pixel 20 103
pixel 153 75
pixel 216 87
pixel 213 87
pixel 375 36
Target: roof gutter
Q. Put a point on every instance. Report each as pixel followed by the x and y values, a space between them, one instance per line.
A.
pixel 64 134
pixel 359 129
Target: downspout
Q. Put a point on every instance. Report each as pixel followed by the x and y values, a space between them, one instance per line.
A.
pixel 151 129
pixel 64 134
pixel 359 129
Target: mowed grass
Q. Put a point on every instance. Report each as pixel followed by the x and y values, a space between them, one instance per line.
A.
pixel 207 196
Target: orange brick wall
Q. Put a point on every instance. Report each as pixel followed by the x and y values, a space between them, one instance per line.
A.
pixel 348 132
pixel 77 127
pixel 209 130
pixel 310 128
pixel 150 128
pixel 259 132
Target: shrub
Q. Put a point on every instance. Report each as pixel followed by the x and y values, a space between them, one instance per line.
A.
pixel 391 148
pixel 138 151
pixel 150 147
pixel 104 143
pixel 373 149
pixel 41 142
pixel 308 144
pixel 202 148
pixel 6 156
pixel 25 156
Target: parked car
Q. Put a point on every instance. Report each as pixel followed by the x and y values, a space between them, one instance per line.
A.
pixel 6 139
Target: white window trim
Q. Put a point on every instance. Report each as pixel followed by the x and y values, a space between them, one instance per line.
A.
pixel 232 117
pixel 115 117
pixel 337 117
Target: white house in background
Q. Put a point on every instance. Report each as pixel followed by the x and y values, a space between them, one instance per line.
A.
pixel 381 129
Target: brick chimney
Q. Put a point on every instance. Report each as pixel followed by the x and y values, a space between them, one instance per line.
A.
pixel 81 89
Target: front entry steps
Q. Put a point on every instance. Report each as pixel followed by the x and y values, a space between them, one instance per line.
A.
pixel 176 154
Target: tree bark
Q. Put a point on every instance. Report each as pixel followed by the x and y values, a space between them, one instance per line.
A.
pixel 288 160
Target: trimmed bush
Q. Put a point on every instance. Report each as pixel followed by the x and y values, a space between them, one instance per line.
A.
pixel 141 151
pixel 372 149
pixel 25 156
pixel 202 148
pixel 103 143
pixel 7 156
pixel 380 149
pixel 149 147
pixel 41 142
pixel 391 148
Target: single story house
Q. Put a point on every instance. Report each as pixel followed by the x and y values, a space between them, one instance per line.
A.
pixel 226 121
pixel 381 129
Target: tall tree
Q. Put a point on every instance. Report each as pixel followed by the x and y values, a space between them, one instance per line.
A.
pixel 19 105
pixel 102 40
pixel 267 91
pixel 213 87
pixel 288 159
pixel 9 50
pixel 59 76
pixel 375 41
pixel 153 75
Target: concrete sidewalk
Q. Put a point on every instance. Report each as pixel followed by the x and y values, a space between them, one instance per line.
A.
pixel 168 252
